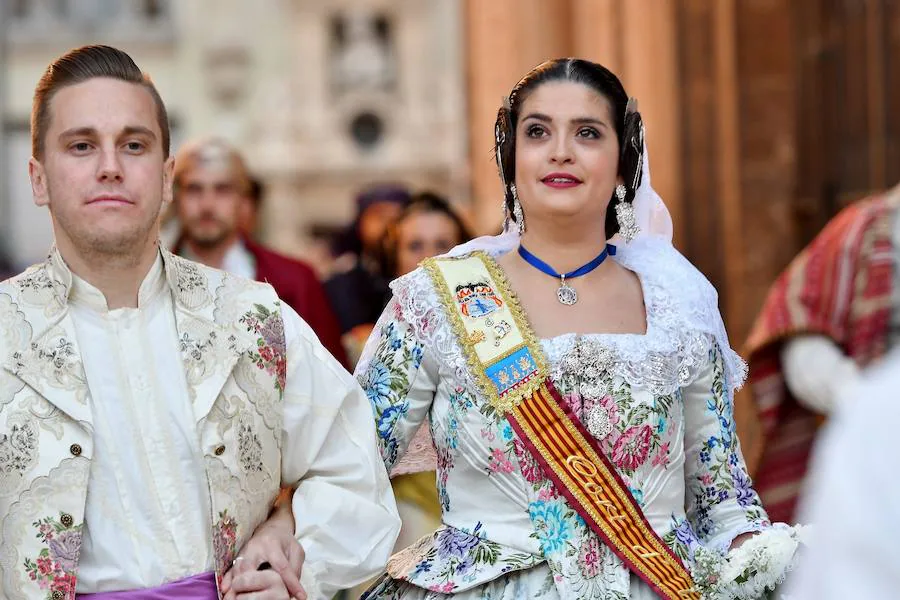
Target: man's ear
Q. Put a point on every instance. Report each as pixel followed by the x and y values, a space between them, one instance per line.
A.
pixel 168 181
pixel 40 190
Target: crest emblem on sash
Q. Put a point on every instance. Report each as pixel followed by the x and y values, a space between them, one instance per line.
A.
pixel 477 299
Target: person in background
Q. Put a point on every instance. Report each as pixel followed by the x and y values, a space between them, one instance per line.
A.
pixel 249 219
pixel 359 289
pixel 321 248
pixel 834 310
pixel 212 189
pixel 851 498
pixel 428 226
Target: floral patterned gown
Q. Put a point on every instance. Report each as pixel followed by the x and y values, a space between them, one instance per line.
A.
pixel 659 403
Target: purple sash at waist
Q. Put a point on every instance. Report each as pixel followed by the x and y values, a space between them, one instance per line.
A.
pixel 198 587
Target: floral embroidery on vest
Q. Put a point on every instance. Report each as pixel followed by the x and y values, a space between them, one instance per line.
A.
pixel 18 449
pixel 271 348
pixel 224 541
pixel 188 276
pixel 54 568
pixel 249 449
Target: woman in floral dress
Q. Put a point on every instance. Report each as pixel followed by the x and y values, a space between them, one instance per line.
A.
pixel 633 344
pixel 641 358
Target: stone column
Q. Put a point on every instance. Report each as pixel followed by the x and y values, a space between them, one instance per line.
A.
pixel 505 39
pixel 596 31
pixel 649 70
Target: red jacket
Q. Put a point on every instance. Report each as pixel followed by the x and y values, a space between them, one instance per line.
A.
pixel 297 285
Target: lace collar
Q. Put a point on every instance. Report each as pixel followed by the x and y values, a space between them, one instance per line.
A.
pixel 683 322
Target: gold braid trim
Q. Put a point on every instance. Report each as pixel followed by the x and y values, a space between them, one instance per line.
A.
pixel 498 280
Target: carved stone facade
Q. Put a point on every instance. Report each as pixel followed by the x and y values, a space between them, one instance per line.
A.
pixel 370 92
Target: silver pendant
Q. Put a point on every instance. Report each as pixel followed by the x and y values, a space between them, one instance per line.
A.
pixel 566 294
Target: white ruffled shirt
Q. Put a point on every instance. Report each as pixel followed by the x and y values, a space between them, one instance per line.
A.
pixel 147 514
pixel 147 509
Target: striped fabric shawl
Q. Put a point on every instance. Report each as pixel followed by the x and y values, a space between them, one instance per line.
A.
pixel 840 286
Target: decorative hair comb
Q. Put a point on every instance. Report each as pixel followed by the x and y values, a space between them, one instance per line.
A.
pixel 631 106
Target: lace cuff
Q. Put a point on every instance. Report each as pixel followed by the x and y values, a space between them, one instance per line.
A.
pixel 754 570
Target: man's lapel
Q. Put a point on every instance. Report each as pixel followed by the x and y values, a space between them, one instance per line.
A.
pixel 209 353
pixel 209 350
pixel 50 361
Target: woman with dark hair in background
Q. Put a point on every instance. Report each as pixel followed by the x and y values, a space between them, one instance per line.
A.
pixel 427 227
pixel 579 393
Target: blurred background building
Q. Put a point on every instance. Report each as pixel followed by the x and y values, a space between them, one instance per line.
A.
pixel 764 117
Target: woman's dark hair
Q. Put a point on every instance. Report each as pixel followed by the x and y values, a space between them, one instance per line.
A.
pixel 423 202
pixel 601 80
pixel 349 240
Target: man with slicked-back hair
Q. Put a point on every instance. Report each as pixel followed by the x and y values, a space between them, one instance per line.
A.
pixel 152 408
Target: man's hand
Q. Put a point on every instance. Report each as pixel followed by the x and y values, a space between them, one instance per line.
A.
pixel 274 548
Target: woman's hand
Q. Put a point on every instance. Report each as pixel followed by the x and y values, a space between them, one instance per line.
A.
pixel 274 548
pixel 739 540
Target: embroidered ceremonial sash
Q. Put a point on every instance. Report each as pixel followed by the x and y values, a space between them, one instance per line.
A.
pixel 512 372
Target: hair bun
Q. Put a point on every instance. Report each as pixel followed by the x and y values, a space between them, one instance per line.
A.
pixel 632 152
pixel 631 106
pixel 504 150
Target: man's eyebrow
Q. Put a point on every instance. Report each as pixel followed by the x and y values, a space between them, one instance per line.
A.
pixel 78 132
pixel 138 130
pixel 91 131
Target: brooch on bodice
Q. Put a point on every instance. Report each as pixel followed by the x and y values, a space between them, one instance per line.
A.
pixel 586 370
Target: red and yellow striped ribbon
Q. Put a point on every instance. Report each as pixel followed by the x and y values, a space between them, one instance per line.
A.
pixel 583 474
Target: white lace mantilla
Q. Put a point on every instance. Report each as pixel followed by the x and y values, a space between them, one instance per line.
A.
pixel 683 322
